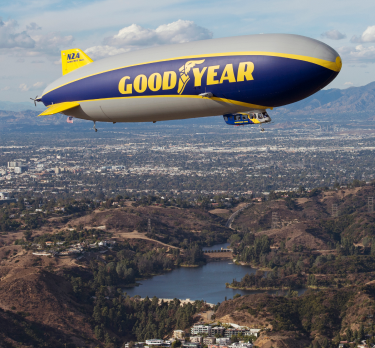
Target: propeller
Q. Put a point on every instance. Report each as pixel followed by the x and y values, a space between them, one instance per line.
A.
pixel 35 100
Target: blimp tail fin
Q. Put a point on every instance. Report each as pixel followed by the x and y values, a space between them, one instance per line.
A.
pixel 73 59
pixel 57 108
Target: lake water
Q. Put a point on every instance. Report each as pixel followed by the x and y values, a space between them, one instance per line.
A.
pixel 198 283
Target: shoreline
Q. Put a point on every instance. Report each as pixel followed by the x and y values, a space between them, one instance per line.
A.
pixel 258 289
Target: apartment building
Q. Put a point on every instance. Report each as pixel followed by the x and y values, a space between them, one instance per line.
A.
pixel 218 330
pixel 201 329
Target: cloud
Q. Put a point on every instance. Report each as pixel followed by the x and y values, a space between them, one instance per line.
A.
pixel 136 36
pixel 6 88
pixel 359 53
pixel 9 38
pixel 24 87
pixel 51 43
pixel 33 26
pixel 177 32
pixel 37 61
pixel 348 83
pixel 367 36
pixel 334 35
pixel 98 52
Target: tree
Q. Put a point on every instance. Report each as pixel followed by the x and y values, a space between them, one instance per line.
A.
pixel 27 235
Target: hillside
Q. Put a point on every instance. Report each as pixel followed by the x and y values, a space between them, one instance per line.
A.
pixel 74 297
pixel 334 102
pixel 43 308
pixel 308 221
pixel 294 321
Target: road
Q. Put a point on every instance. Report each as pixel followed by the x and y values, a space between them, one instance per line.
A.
pixel 231 218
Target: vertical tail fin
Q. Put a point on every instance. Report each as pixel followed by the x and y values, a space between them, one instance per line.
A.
pixel 73 59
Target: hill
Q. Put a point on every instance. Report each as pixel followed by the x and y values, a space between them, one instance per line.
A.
pixel 295 321
pixel 334 102
pixel 76 297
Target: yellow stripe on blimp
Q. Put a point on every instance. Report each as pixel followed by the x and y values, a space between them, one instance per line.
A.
pixel 334 66
pixel 57 108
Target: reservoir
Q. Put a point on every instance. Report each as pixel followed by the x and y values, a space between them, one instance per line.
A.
pixel 198 283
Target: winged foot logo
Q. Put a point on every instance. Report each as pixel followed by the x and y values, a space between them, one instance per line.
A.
pixel 184 73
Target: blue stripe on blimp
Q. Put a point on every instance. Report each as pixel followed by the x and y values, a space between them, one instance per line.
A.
pixel 276 81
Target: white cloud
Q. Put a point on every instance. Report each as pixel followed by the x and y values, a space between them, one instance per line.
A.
pixel 359 53
pixel 98 52
pixel 367 36
pixel 51 43
pixel 348 83
pixel 135 36
pixel 33 26
pixel 6 88
pixel 334 35
pixel 177 32
pixel 9 38
pixel 24 87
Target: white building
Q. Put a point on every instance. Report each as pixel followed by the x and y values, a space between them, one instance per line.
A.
pixel 14 164
pixel 223 341
pixel 201 329
pixel 241 345
pixel 178 334
pixel 251 332
pixel 20 169
pixel 157 343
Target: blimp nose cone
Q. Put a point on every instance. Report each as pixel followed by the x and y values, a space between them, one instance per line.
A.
pixel 324 52
pixel 299 67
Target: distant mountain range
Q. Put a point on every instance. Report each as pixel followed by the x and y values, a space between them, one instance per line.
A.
pixel 333 102
pixel 11 106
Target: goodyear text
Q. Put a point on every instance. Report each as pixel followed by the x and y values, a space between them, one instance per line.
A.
pixel 192 70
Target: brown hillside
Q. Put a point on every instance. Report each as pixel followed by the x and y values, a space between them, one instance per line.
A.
pixel 44 298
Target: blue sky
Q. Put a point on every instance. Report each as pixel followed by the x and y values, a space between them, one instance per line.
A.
pixel 32 33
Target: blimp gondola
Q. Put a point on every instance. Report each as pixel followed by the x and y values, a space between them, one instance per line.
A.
pixel 241 78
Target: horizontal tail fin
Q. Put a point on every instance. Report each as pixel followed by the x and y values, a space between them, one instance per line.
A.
pixel 57 108
pixel 73 59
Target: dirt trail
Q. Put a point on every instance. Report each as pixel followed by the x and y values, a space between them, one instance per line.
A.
pixel 137 235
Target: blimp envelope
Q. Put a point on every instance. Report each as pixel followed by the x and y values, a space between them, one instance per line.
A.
pixel 204 78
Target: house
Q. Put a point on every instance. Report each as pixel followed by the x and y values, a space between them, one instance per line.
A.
pixel 196 339
pixel 201 329
pixel 191 345
pixel 209 340
pixel 178 334
pixel 49 243
pixel 240 345
pixel 216 346
pixel 223 341
pixel 252 332
pixel 157 343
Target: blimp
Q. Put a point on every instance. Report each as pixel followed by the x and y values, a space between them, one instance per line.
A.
pixel 241 78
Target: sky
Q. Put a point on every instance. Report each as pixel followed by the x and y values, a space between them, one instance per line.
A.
pixel 33 32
